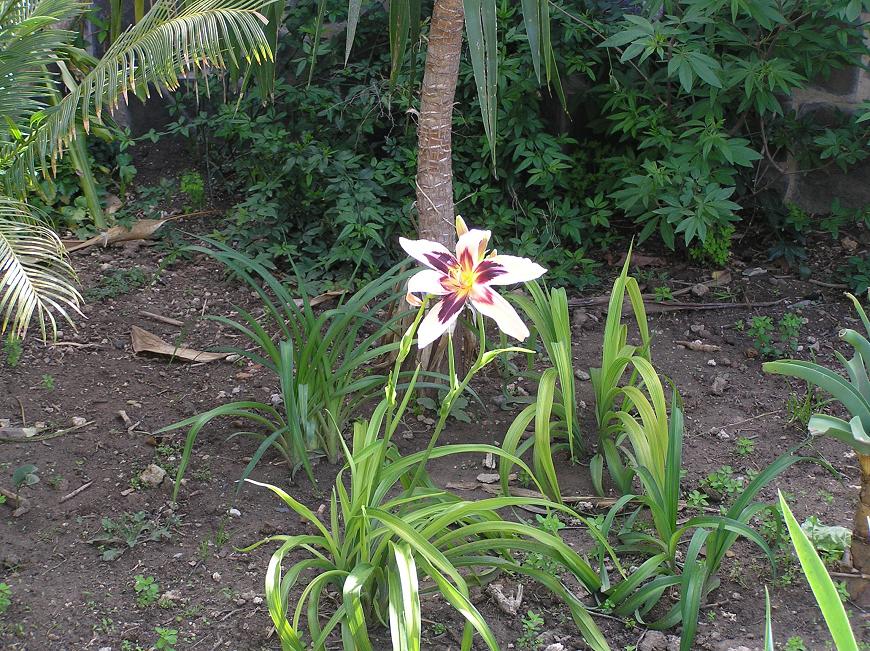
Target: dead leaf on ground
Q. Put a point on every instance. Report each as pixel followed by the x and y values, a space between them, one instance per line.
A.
pixel 698 346
pixel 320 298
pixel 144 229
pixel 148 342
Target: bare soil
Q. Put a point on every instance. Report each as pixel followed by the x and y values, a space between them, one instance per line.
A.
pixel 64 597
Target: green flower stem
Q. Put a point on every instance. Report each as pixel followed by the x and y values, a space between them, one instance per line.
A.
pixel 447 405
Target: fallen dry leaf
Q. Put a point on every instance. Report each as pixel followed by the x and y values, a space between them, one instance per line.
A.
pixel 147 342
pixel 144 229
pixel 321 298
pixel 699 346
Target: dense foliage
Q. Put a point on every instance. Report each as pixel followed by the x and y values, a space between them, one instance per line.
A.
pixel 678 121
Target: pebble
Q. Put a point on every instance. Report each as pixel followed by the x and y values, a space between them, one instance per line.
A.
pixel 711 362
pixel 152 476
pixel 581 375
pixel 720 383
pixel 216 577
pixel 235 513
pixel 579 318
pixel 723 435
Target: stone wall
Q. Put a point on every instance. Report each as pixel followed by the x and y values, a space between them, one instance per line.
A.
pixel 844 91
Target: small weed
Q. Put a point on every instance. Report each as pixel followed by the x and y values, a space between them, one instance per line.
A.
pixel 723 482
pixel 118 283
pixel 167 638
pixel 801 409
pixel 55 481
pixel 795 643
pixel 789 331
pixel 532 627
pixel 5 597
pixel 711 615
pixel 26 475
pixel 827 496
pixel 12 350
pixel 193 186
pixel 697 499
pixel 106 626
pixel 663 294
pixel 48 382
pixel 147 589
pixel 438 629
pixel 745 446
pixel 129 530
pixel 843 591
pixel 761 330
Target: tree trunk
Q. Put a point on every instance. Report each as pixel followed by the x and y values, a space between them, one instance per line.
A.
pixel 434 157
pixel 860 537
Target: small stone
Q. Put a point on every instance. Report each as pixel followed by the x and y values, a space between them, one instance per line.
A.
pixel 78 421
pixel 700 290
pixel 736 596
pixel 152 476
pixel 653 641
pixel 171 595
pixel 105 648
pixel 488 477
pixel 557 646
pixel 408 435
pixel 711 362
pixel 579 319
pixel 235 513
pixel 216 577
pixel 723 435
pixel 720 383
pixel 581 375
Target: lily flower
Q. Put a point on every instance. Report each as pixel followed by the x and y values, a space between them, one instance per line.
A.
pixel 466 278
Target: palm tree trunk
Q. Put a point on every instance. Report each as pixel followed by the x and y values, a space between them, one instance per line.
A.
pixel 434 158
pixel 860 535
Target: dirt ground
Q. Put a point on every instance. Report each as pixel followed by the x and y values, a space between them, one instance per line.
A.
pixel 64 597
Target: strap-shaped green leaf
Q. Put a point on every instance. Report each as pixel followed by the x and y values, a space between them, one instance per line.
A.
pixel 481 28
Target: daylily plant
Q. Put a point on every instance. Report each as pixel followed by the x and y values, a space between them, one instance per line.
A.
pixel 466 278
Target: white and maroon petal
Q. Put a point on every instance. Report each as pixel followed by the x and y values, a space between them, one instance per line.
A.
pixel 514 270
pixel 440 319
pixel 491 304
pixel 432 254
pixel 461 228
pixel 427 281
pixel 470 248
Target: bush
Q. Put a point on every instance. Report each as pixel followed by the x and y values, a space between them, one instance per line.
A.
pixel 679 121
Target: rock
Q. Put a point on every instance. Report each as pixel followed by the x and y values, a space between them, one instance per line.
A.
pixel 557 646
pixel 152 476
pixel 720 384
pixel 711 362
pixel 754 271
pixel 700 290
pixel 581 375
pixel 653 641
pixel 488 477
pixel 78 421
pixel 216 577
pixel 580 318
pixel 723 435
pixel 235 513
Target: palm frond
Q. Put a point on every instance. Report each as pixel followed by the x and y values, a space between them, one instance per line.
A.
pixel 29 41
pixel 172 39
pixel 35 277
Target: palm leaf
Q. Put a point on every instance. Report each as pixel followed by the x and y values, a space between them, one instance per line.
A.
pixel 35 277
pixel 172 39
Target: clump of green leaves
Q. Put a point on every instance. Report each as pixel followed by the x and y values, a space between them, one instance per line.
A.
pixel 47 382
pixel 167 638
pixel 857 273
pixel 745 446
pixel 147 589
pixel 722 483
pixel 533 626
pixel 26 475
pixel 12 349
pixel 769 339
pixel 131 529
pixel 118 283
pixel 193 187
pixel 5 597
pixel 715 250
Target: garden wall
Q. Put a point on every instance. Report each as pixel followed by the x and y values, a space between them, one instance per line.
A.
pixel 844 91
